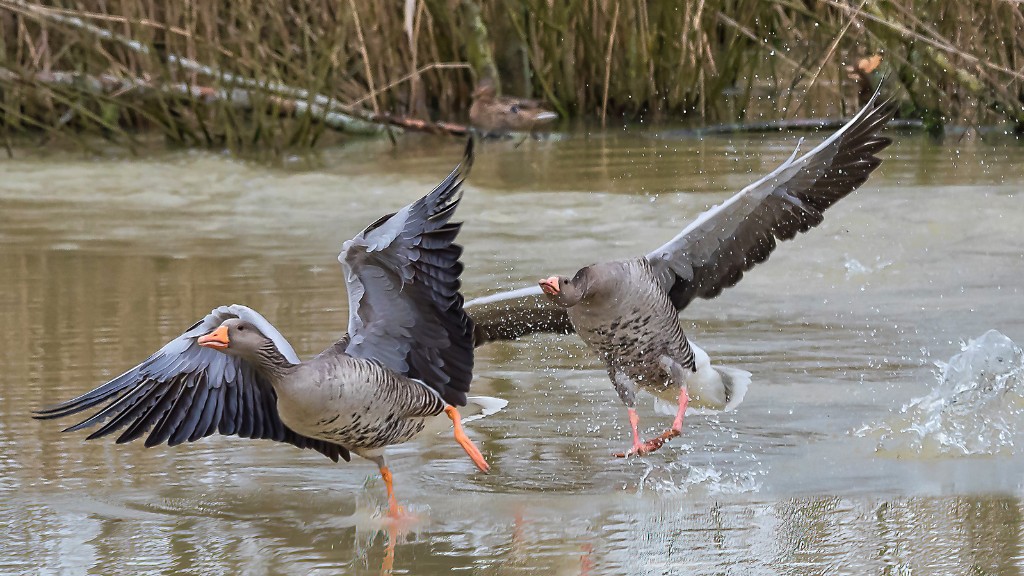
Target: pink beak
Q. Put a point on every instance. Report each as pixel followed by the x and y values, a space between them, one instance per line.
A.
pixel 550 286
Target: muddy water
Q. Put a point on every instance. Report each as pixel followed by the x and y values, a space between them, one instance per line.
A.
pixel 104 260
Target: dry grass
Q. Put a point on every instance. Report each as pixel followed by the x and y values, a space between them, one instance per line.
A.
pixel 716 60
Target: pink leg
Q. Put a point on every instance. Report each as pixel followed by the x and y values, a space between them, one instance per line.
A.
pixel 677 424
pixel 638 445
pixel 641 448
pixel 684 399
pixel 634 423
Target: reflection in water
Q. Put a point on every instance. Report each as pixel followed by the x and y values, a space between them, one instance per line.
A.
pixel 627 536
pixel 104 261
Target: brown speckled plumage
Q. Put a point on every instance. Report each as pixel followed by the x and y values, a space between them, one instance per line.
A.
pixel 382 407
pixel 628 321
pixel 627 311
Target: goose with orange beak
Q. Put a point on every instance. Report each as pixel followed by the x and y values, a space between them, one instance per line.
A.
pixel 407 357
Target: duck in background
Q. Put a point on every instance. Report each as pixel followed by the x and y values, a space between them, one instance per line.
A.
pixel 493 114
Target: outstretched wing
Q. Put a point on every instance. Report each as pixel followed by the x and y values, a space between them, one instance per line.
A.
pixel 516 313
pixel 185 392
pixel 714 251
pixel 405 309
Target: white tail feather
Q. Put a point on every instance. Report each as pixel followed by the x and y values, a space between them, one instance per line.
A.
pixel 488 405
pixel 737 381
pixel 476 407
pixel 712 388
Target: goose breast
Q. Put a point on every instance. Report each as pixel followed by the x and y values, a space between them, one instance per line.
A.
pixel 356 403
pixel 630 322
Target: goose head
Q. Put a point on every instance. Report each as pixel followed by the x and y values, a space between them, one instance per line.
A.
pixel 237 337
pixel 563 291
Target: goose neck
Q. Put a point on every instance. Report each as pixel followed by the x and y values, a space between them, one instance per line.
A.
pixel 272 363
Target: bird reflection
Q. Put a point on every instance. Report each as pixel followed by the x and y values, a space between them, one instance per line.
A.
pixel 388 565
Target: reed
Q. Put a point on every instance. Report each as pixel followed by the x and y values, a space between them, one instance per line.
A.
pixel 279 74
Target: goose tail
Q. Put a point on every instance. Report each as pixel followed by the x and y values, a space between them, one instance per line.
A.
pixel 713 388
pixel 478 407
pixel 736 382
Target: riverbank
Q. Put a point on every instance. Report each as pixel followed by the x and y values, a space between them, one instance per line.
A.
pixel 281 76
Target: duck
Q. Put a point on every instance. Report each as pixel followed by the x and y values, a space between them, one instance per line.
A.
pixel 627 311
pixel 493 114
pixel 407 357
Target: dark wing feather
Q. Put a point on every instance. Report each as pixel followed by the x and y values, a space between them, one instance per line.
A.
pixel 516 313
pixel 405 309
pixel 715 250
pixel 185 392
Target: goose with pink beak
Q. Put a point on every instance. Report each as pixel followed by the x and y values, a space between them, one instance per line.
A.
pixel 627 310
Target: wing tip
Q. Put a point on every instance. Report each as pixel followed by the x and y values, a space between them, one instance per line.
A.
pixel 437 295
pixel 469 154
pixel 880 106
pixel 442 200
pixel 49 412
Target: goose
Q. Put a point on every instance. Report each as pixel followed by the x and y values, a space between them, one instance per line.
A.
pixel 626 311
pixel 407 357
pixel 496 114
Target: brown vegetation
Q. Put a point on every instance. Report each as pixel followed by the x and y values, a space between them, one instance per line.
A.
pixel 275 73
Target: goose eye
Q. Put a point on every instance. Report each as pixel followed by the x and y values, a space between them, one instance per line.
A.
pixel 241 327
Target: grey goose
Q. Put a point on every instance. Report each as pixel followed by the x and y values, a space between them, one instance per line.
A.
pixel 407 357
pixel 626 311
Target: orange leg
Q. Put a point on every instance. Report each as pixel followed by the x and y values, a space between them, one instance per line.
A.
pixel 394 510
pixel 388 565
pixel 464 441
pixel 586 562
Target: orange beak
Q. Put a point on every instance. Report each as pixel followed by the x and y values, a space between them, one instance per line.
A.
pixel 550 286
pixel 218 339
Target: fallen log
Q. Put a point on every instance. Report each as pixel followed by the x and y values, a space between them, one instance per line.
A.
pixel 241 98
pixel 298 101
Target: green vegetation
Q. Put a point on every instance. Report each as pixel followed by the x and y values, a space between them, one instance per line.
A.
pixel 279 74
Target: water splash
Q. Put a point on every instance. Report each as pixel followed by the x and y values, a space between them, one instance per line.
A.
pixel 854 267
pixel 677 477
pixel 977 407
